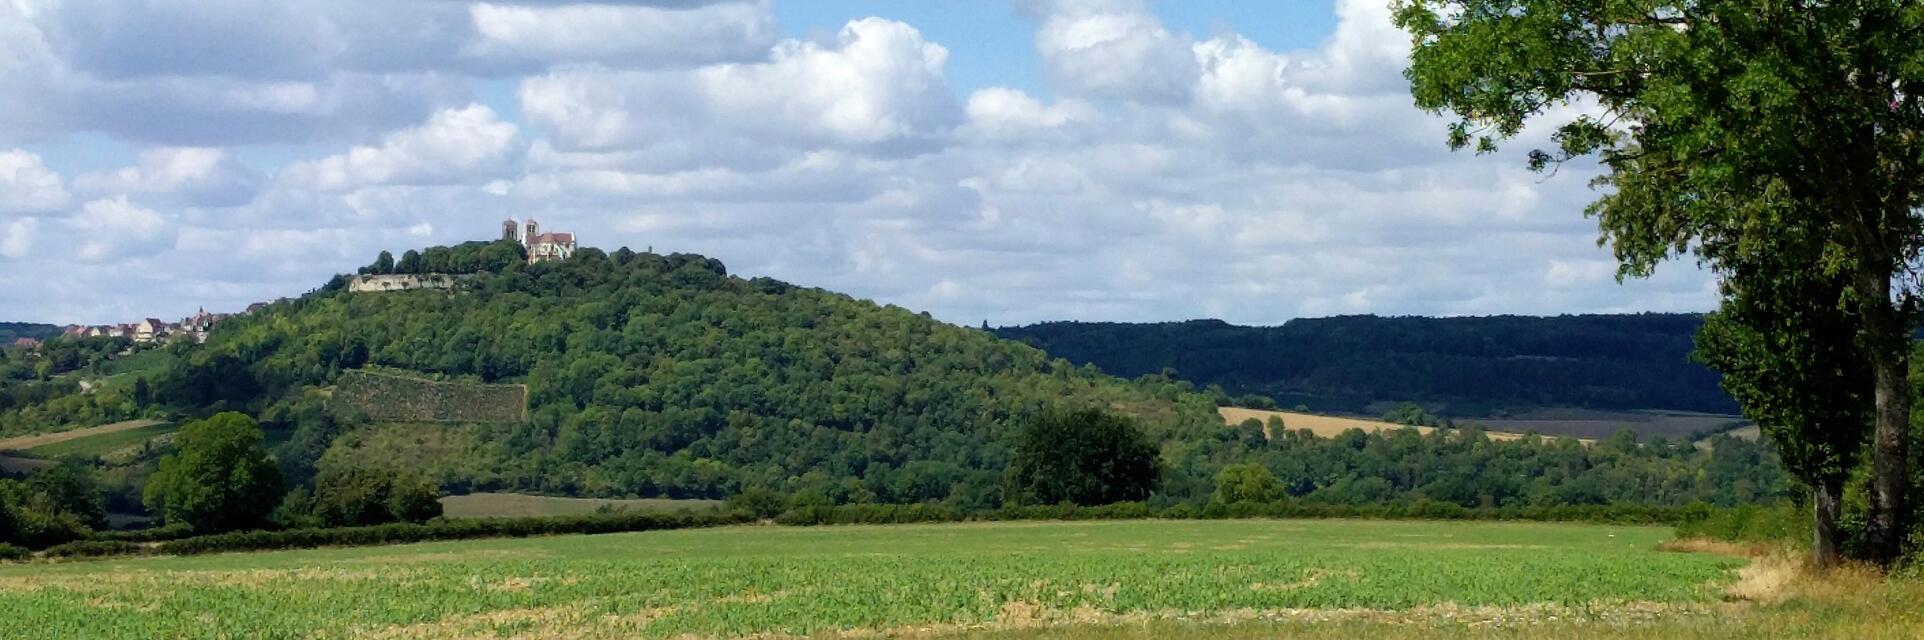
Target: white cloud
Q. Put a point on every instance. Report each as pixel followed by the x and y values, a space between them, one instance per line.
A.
pixel 452 146
pixel 17 237
pixel 1155 175
pixel 27 185
pixel 621 35
pixel 197 176
pixel 1115 49
pixel 114 229
pixel 879 87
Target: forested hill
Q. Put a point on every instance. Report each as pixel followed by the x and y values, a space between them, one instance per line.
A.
pixel 1473 365
pixel 661 375
pixel 11 331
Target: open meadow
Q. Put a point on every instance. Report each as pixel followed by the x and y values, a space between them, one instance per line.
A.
pixel 1122 576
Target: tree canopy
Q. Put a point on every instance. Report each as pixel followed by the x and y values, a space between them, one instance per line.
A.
pixel 219 479
pixel 1710 117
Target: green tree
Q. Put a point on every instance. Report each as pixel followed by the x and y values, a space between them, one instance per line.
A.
pixel 1088 457
pixel 1708 115
pixel 220 479
pixel 1789 354
pixel 143 395
pixel 1246 483
pixel 413 497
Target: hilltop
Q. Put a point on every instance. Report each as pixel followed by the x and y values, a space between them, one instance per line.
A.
pixel 657 376
pixel 1470 366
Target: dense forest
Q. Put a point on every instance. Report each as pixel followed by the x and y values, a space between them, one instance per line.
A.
pixel 663 376
pixel 1463 366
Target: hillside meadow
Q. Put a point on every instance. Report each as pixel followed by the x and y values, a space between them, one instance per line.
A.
pixel 942 579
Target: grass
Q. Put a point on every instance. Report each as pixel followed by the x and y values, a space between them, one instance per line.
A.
pixel 514 505
pixel 43 440
pixel 103 443
pixel 1109 579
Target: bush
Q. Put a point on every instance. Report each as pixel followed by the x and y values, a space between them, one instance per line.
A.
pixel 1749 523
pixel 157 534
pixel 401 533
pixel 762 504
pixel 1089 457
pixel 10 553
pixel 94 549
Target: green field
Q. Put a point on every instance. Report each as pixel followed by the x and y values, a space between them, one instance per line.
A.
pixel 514 505
pixel 832 580
pixel 104 443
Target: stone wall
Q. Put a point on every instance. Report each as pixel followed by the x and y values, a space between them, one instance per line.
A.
pixel 400 282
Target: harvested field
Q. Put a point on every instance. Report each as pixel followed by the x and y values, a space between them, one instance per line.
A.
pixel 1329 426
pixel 105 444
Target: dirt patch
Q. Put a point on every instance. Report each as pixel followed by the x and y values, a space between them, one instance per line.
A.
pixel 1719 547
pixel 1310 579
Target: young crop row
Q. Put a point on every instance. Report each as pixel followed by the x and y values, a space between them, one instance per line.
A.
pixel 742 581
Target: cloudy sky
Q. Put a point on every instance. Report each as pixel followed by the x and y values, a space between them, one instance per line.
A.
pixel 1043 159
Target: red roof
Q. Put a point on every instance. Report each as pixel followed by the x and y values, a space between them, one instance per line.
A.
pixel 560 237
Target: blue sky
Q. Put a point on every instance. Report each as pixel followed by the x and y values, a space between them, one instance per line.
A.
pixel 1015 162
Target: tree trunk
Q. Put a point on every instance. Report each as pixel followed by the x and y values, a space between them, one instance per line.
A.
pixel 1889 346
pixel 1824 499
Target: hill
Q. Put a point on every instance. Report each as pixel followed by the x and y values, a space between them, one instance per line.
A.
pixel 659 376
pixel 1473 366
pixel 11 331
pixel 633 375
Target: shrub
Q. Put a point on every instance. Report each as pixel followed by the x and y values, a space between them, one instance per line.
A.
pixel 1088 457
pixel 94 549
pixel 10 553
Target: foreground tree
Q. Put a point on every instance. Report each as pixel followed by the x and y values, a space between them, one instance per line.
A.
pixel 1703 112
pixel 1787 347
pixel 221 479
pixel 1089 457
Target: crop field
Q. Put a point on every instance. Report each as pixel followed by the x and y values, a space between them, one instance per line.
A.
pixel 950 579
pixel 1329 426
pixel 514 505
pixel 104 443
pixel 42 441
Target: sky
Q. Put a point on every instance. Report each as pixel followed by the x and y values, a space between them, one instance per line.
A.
pixel 1122 160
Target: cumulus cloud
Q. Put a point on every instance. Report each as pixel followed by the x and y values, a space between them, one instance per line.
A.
pixel 196 176
pixel 1155 174
pixel 114 229
pixel 454 145
pixel 878 87
pixel 1113 48
pixel 27 185
pixel 615 35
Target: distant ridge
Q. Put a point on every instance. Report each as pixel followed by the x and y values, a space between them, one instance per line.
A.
pixel 1465 365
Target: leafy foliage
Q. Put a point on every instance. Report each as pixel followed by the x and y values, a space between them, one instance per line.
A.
pixel 1088 457
pixel 221 478
pixel 1472 364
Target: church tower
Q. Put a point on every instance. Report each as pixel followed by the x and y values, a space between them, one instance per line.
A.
pixel 534 229
pixel 507 229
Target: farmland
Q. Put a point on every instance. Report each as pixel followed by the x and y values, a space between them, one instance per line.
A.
pixel 105 443
pixel 48 444
pixel 514 505
pixel 1331 426
pixel 932 578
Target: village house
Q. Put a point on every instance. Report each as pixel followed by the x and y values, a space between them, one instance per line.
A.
pixel 26 343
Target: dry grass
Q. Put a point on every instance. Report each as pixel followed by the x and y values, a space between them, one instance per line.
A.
pixel 23 443
pixel 1330 426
